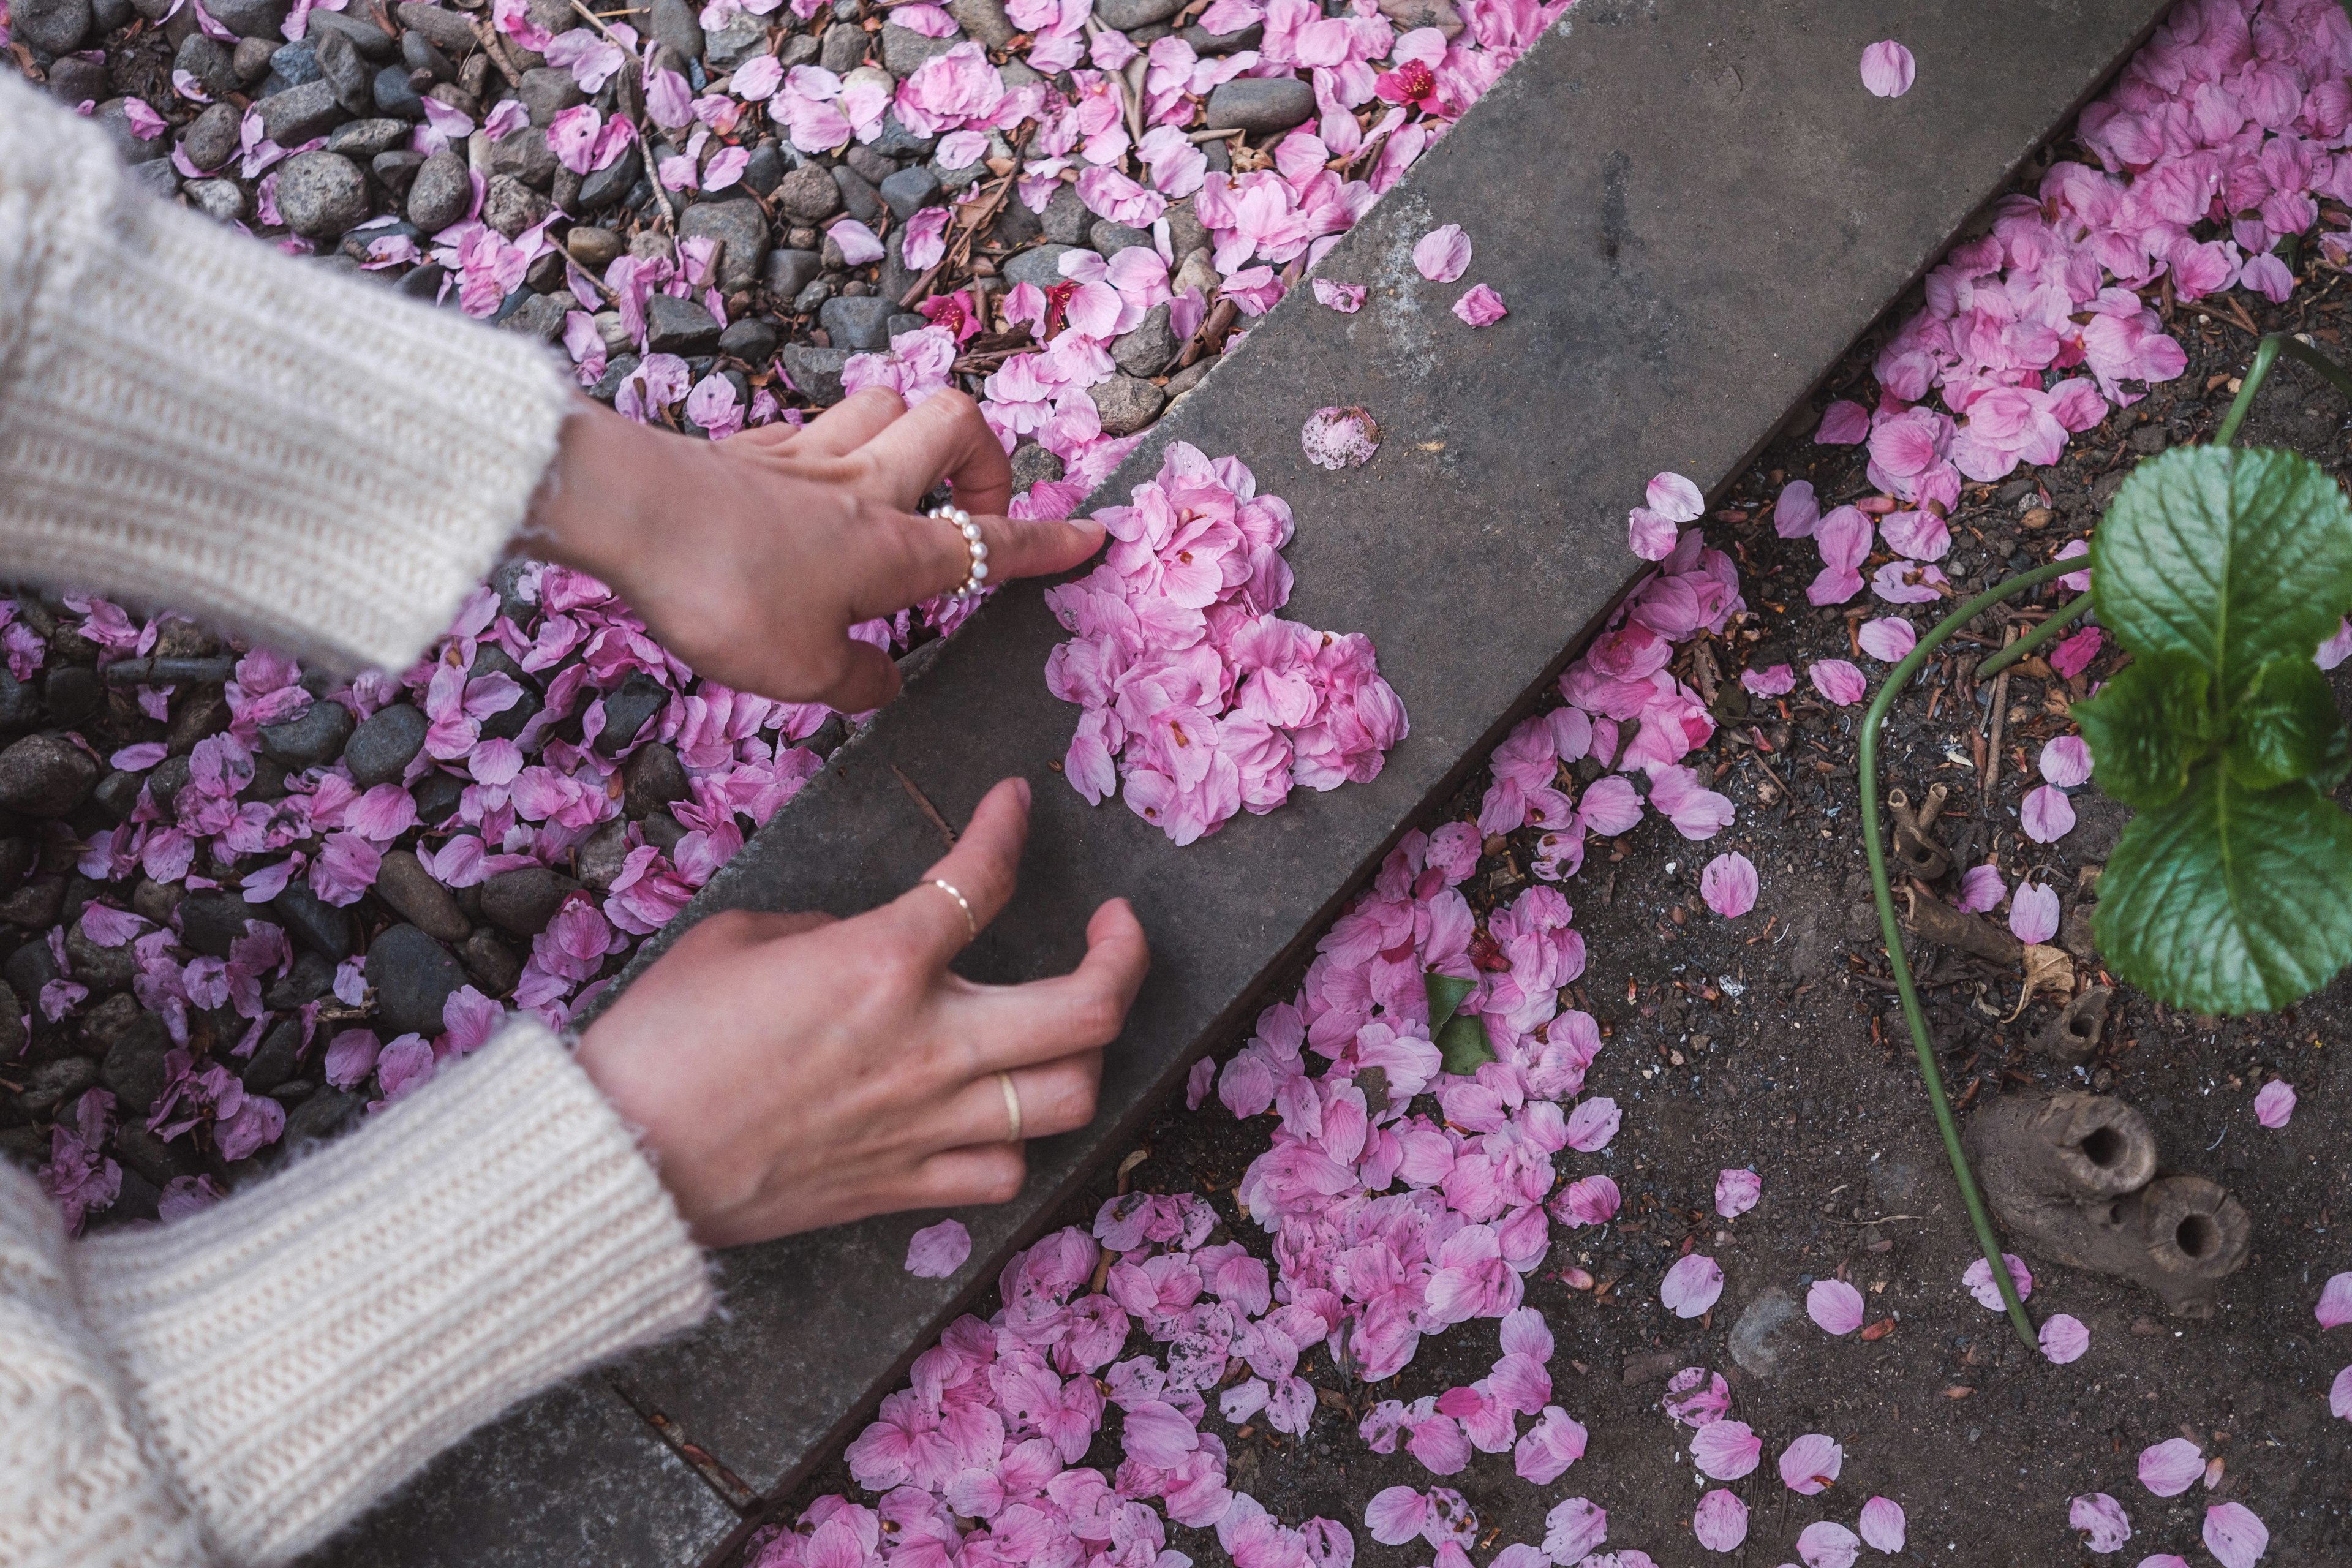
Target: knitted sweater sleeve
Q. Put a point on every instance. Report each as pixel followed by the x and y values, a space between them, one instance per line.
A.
pixel 189 419
pixel 230 1388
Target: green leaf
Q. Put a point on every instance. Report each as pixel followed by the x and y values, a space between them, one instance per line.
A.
pixel 1464 1044
pixel 2232 557
pixel 2288 727
pixel 2148 727
pixel 2230 901
pixel 1445 995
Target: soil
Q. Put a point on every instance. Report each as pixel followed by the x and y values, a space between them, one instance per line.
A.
pixel 1774 1041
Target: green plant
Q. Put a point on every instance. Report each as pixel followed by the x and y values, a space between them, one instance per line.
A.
pixel 1460 1038
pixel 2221 572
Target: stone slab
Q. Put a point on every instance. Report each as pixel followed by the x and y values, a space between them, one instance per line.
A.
pixel 1691 211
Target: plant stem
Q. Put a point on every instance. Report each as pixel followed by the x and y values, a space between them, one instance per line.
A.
pixel 1994 664
pixel 2266 355
pixel 1880 889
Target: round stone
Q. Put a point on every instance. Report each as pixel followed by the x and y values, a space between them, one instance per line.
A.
pixel 321 195
pixel 312 739
pixel 45 775
pixel 382 746
pixel 1261 105
pixel 413 976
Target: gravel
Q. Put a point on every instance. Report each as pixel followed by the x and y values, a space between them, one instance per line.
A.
pixel 299 113
pixel 312 739
pixel 862 323
pixel 383 745
pixel 322 195
pixel 45 775
pixel 1261 105
pixel 1126 403
pixel 742 229
pixel 412 977
pixel 674 325
pixel 440 193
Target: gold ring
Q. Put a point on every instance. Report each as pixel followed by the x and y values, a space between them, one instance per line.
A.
pixel 971 924
pixel 1011 1108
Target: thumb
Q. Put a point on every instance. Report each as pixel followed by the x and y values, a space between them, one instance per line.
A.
pixel 868 679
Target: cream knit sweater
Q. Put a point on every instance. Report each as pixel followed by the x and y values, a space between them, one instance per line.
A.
pixel 189 419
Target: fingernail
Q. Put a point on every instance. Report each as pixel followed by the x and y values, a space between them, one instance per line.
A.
pixel 1020 788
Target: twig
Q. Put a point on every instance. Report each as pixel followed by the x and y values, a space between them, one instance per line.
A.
pixel 2000 718
pixel 921 799
pixel 495 48
pixel 2034 639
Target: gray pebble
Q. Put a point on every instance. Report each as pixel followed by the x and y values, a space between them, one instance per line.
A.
pixel 858 196
pixel 251 18
pixel 413 976
pixel 1067 219
pixel 790 271
pixel 1014 226
pixel 113 117
pixel 1146 351
pixel 594 248
pixel 895 141
pixel 299 113
pixel 312 739
pixel 752 342
pixel 157 177
pixel 509 207
pixel 743 38
pixel 1186 232
pixel 628 708
pixel 677 25
pixel 1041 265
pixel 321 195
pixel 211 919
pixel 603 187
pixel 379 46
pixel 651 779
pixel 605 856
pixel 250 58
pixel 402 882
pixel 53 1083
pixel 441 194
pixel 312 922
pixel 1125 14
pixel 676 325
pixel 134 1066
pixel 490 961
pixel 766 169
pixel 903 48
pixel 367 138
pixel 521 903
pixel 1261 105
pixel 325 1115
pixel 910 191
pixel 540 316
pixel 1033 465
pixel 383 743
pixel 1127 404
pixel 808 196
pixel 547 92
pixel 525 155
pixel 45 775
pixel 102 969
pixel 742 229
pixel 868 162
pixel 1409 15
pixel 212 140
pixel 1110 239
pixel 1205 42
pixel 447 29
pixel 223 201
pixel 74 81
pixel 274 1060
pixel 351 77
pixel 52 26
pixel 395 96
pixel 816 371
pixel 858 323
pixel 984 20
pixel 209 61
pixel 296 63
pixel 843 50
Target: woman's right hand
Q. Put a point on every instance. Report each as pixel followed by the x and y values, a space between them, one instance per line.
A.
pixel 793 1071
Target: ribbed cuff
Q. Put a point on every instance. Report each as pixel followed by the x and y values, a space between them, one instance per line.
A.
pixel 310 1343
pixel 189 418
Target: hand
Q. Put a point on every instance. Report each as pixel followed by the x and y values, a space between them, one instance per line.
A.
pixel 793 1071
pixel 750 558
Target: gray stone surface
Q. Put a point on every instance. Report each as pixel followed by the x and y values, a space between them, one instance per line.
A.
pixel 1664 309
pixel 742 229
pixel 1261 104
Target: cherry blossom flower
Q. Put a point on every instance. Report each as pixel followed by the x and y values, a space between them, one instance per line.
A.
pixel 1442 255
pixel 1887 638
pixel 2064 1338
pixel 937 1251
pixel 2171 1467
pixel 2334 1307
pixel 1480 306
pixel 1736 1192
pixel 1692 1286
pixel 1811 1464
pixel 1977 1279
pixel 2104 1525
pixel 1883 1525
pixel 1729 885
pixel 1345 298
pixel 2046 815
pixel 2033 913
pixel 1339 439
pixel 1726 1450
pixel 1838 680
pixel 1835 1305
pixel 2235 1537
pixel 2275 1103
pixel 1824 1543
pixel 1720 1520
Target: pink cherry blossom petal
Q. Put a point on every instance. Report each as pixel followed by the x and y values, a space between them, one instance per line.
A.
pixel 1887 638
pixel 1982 889
pixel 1338 438
pixel 1844 424
pixel 938 1250
pixel 1592 1124
pixel 1736 1192
pixel 1839 680
pixel 1676 498
pixel 1648 535
pixel 2339 1395
pixel 1835 1305
pixel 1395 1514
pixel 2033 914
pixel 1729 886
pixel 1777 680
pixel 2334 1307
pixel 1977 1280
pixel 1883 1525
pixel 2275 1103
pixel 1887 70
pixel 2065 761
pixel 2235 1537
pixel 1692 1286
pixel 2046 815
pixel 1696 1397
pixel 1574 1529
pixel 2064 1338
pixel 1444 254
pixel 2172 1467
pixel 2104 1525
pixel 1481 306
pixel 1811 1464
pixel 1825 1544
pixel 2075 651
pixel 1345 298
pixel 1726 1450
pixel 1720 1520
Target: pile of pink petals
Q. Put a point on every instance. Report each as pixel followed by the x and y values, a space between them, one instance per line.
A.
pixel 1198 699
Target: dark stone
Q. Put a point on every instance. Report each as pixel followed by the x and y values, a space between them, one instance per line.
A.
pixel 156 177
pixel 525 155
pixel 603 187
pixel 211 919
pixel 766 170
pixel 510 724
pixel 52 26
pixel 739 39
pixel 321 1117
pixel 369 139
pixel 491 962
pixel 345 70
pixel 73 82
pixel 816 371
pixel 102 969
pixel 298 113
pixel 295 65
pixel 160 1163
pixel 521 903
pixel 135 1067
pixel 50 1085
pixel 547 92
pixel 1041 265
pixel 808 195
pixel 404 884
pixel 594 248
pixel 1110 239
pixel 74 693
pixel 1261 105
pixel 510 206
pixel 212 141
pixel 166 781
pixel 903 48
pixel 676 325
pixel 396 96
pixel 910 191
pixel 1146 351
pixel 117 795
pixel 321 195
pixel 605 856
pixel 251 19
pixel 312 739
pixel 742 229
pixel 841 49
pixel 45 775
pixel 412 977
pixel 1126 403
pixel 1033 465
pixel 251 59
pixel 984 20
pixel 437 795
pixel 378 46
pixel 818 291
pixel 274 1060
pixel 311 976
pixel 133 149
pixel 444 29
pixel 419 53
pixel 628 708
pixel 383 743
pixel 540 316
pixel 861 323
pixel 1125 14
pixel 1205 42
pixel 790 271
pixel 897 141
pixel 213 65
pixel 676 24
pixel 750 339
pixel 651 779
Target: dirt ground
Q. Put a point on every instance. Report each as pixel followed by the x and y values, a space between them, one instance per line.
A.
pixel 1775 1041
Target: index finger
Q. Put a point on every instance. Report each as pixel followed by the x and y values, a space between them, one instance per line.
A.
pixel 943 437
pixel 982 869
